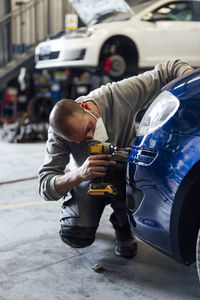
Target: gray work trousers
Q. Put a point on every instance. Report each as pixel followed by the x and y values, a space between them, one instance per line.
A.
pixel 81 213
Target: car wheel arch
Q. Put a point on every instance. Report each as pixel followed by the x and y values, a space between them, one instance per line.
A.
pixel 132 53
pixel 186 208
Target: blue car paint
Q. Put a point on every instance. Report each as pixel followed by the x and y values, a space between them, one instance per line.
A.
pixel 186 120
pixel 158 165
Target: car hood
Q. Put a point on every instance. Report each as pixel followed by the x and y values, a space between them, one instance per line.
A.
pixel 92 12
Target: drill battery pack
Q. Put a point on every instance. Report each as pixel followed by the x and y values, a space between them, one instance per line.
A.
pixel 101 148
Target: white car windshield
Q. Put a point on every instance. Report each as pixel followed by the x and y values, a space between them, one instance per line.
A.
pixel 139 5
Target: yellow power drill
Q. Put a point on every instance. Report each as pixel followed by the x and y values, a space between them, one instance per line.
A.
pixel 102 188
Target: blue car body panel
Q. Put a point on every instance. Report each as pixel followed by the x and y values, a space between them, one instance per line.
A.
pixel 160 163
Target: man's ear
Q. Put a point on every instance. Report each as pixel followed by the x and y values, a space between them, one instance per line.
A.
pixel 84 105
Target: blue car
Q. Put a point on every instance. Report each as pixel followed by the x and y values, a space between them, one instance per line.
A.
pixel 163 172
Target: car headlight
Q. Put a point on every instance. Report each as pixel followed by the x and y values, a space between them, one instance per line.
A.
pixel 78 33
pixel 158 113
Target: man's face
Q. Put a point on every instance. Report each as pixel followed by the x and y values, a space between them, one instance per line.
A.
pixel 82 127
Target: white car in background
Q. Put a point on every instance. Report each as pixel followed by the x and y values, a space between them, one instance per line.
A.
pixel 120 39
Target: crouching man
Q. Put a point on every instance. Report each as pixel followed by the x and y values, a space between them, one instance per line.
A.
pixel 105 114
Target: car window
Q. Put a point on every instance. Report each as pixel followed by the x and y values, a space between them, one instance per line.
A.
pixel 138 6
pixel 176 11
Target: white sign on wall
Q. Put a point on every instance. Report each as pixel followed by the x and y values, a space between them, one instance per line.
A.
pixel 71 21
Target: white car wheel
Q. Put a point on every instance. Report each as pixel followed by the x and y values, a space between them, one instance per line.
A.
pixel 118 58
pixel 117 65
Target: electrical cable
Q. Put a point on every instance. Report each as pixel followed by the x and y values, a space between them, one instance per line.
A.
pixel 18 180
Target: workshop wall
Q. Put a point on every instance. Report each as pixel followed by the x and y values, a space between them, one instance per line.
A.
pixel 39 18
pixel 2 9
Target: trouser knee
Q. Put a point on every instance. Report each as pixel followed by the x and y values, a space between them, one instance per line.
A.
pixel 77 236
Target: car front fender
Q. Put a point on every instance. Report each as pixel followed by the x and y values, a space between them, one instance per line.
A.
pixel 158 181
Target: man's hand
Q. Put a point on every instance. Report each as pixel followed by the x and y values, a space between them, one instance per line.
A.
pixel 95 166
pixel 188 71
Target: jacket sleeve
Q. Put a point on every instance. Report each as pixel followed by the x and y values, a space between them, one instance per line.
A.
pixel 139 91
pixel 57 156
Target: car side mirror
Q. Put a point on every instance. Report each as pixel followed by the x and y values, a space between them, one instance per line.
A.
pixel 154 17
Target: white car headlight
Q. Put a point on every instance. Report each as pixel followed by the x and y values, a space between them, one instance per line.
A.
pixel 158 113
pixel 78 33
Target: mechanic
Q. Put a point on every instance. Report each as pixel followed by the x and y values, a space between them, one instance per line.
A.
pixel 106 114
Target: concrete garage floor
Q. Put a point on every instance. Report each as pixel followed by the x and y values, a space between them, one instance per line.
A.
pixel 36 265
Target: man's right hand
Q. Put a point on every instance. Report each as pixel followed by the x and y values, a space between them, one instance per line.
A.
pixel 95 166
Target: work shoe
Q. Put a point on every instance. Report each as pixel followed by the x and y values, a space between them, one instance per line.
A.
pixel 125 244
